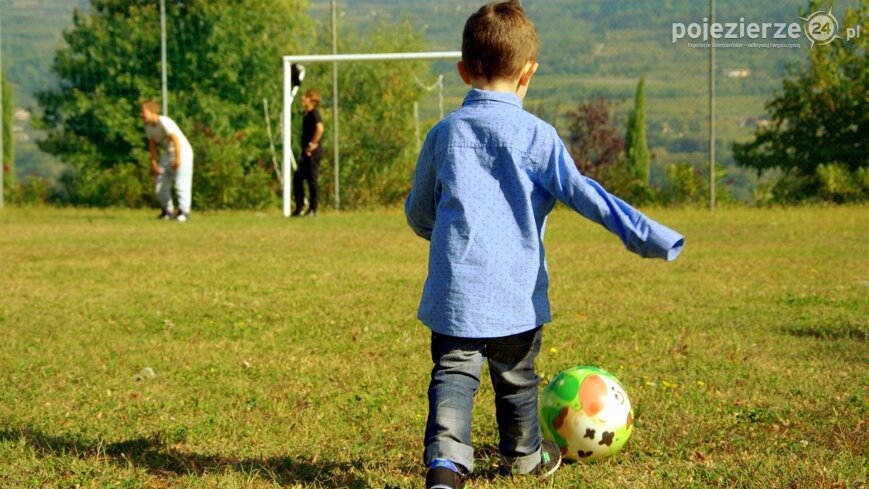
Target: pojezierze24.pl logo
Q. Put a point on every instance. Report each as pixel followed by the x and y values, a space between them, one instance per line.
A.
pixel 820 28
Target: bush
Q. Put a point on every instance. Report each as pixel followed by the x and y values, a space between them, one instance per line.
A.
pixel 224 177
pixel 837 184
pixel 619 180
pixel 684 184
pixel 33 190
pixel 123 184
pixel 832 182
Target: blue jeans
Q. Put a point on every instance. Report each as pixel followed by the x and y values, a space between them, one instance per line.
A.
pixel 454 381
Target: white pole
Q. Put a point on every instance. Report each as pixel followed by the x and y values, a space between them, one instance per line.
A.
pixel 2 128
pixel 335 120
pixel 712 110
pixel 334 58
pixel 163 57
pixel 441 95
pixel 287 136
pixel 416 125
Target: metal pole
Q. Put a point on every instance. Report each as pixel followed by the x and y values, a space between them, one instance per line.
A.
pixel 441 95
pixel 163 56
pixel 335 121
pixel 711 110
pixel 287 136
pixel 416 124
pixel 2 128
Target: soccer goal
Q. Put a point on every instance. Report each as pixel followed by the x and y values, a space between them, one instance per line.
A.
pixel 293 66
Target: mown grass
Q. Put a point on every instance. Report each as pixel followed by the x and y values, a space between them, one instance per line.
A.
pixel 287 353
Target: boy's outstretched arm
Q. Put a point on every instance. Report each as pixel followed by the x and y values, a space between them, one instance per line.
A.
pixel 420 207
pixel 640 234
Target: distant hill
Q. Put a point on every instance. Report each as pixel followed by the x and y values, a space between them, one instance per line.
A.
pixel 31 32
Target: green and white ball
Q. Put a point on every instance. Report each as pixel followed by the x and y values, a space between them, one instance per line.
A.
pixel 586 411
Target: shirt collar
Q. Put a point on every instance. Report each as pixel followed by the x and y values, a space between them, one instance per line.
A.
pixel 476 95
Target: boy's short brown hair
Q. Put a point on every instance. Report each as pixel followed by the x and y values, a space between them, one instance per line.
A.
pixel 498 40
pixel 314 96
pixel 150 106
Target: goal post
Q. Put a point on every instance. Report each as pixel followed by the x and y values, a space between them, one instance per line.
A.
pixel 289 96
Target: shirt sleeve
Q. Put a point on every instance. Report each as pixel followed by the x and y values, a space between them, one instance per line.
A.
pixel 317 117
pixel 420 207
pixel 559 176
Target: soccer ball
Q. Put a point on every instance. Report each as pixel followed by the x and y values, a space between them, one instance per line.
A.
pixel 586 411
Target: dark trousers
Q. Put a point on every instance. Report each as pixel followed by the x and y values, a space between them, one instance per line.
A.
pixel 454 381
pixel 309 169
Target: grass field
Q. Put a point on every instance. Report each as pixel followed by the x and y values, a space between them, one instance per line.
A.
pixel 287 353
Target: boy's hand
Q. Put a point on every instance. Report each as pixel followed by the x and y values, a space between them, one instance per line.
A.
pixel 175 165
pixel 309 150
pixel 156 170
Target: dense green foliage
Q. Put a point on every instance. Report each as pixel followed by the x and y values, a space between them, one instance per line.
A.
pixel 8 108
pixel 819 131
pixel 111 61
pixel 288 354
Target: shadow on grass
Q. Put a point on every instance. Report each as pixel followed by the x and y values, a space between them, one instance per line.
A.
pixel 158 459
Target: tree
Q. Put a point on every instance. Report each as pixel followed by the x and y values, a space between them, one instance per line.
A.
pixel 593 141
pixel 819 125
pixel 224 57
pixel 636 143
pixel 8 137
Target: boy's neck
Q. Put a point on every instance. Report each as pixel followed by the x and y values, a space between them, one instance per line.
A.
pixel 517 85
pixel 496 84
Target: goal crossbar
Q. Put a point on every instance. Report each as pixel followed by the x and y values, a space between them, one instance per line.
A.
pixel 331 58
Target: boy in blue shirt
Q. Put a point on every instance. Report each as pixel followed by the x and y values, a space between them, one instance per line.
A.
pixel 486 178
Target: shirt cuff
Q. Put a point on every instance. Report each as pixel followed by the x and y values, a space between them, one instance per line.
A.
pixel 665 243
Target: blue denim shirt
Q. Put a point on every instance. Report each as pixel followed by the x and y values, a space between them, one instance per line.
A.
pixel 486 178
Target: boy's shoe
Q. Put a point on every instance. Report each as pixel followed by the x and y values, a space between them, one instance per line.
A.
pixel 311 213
pixel 165 215
pixel 550 459
pixel 182 217
pixel 443 474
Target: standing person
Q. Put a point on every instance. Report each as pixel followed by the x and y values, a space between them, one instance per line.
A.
pixel 309 168
pixel 175 166
pixel 486 179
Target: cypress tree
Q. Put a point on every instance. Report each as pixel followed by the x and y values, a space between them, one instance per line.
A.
pixel 636 143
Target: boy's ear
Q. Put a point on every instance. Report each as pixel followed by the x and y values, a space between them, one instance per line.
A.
pixel 463 73
pixel 528 72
